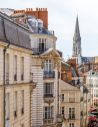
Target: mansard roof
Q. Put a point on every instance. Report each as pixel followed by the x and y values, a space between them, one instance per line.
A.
pixel 15 32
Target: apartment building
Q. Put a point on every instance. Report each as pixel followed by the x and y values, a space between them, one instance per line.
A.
pixel 18 82
pixel 75 94
pixel 92 85
pixel 45 68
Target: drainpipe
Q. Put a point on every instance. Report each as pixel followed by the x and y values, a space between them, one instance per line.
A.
pixel 4 65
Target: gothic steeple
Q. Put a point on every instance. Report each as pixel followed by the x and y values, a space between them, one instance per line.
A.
pixel 77 32
pixel 76 41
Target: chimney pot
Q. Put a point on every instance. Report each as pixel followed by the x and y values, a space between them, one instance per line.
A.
pixel 36 9
pixel 31 9
pixel 26 9
pixel 41 9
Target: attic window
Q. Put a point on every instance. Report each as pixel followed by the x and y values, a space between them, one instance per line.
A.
pixel 42 45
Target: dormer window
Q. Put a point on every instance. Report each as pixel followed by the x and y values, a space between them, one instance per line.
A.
pixel 42 45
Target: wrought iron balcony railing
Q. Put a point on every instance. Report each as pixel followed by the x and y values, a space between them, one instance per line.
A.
pixel 7 78
pixel 22 111
pixel 48 95
pixel 71 100
pixel 49 74
pixel 15 113
pixel 15 77
pixel 71 116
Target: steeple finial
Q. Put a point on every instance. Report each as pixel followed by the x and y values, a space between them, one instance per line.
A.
pixel 77 32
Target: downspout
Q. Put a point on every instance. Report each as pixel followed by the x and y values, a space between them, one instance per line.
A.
pixel 4 65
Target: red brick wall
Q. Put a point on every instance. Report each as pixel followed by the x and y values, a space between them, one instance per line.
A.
pixel 43 15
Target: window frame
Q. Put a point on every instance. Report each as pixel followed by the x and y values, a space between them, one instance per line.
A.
pixel 61 97
pixel 48 112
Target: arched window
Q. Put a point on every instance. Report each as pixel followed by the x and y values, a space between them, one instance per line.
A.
pixel 48 65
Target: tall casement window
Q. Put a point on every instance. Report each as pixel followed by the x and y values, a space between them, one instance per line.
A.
pixel 22 102
pixel 22 68
pixel 47 112
pixel 48 89
pixel 15 68
pixel 72 113
pixel 76 51
pixel 15 104
pixel 7 68
pixel 41 45
pixel 48 66
pixel 8 105
pixel 62 110
pixel 62 97
pixel 71 125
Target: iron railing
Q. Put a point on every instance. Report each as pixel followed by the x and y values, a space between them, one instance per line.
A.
pixel 71 116
pixel 7 78
pixel 15 77
pixel 49 74
pixel 71 100
pixel 48 95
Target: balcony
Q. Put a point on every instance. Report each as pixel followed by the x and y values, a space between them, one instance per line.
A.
pixel 48 98
pixel 15 77
pixel 48 120
pixel 7 78
pixel 22 111
pixel 49 74
pixel 60 118
pixel 48 95
pixel 71 100
pixel 71 116
pixel 15 113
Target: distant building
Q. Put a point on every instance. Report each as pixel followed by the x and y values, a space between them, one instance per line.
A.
pixel 77 50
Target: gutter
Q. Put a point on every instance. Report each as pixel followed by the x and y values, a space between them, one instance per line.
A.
pixel 4 64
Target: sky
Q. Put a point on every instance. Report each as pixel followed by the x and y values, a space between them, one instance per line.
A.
pixel 62 18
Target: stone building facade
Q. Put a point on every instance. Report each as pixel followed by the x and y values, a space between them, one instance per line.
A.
pixel 18 81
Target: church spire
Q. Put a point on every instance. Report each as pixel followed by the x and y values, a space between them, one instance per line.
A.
pixel 77 32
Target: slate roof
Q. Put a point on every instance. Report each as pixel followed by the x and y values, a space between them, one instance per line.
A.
pixel 88 59
pixel 15 32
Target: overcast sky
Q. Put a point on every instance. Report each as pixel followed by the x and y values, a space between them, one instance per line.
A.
pixel 62 18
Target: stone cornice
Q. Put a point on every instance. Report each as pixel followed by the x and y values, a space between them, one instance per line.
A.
pixel 43 36
pixel 4 44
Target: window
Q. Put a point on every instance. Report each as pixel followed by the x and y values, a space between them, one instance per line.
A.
pixel 22 97
pixel 15 104
pixel 62 110
pixel 8 106
pixel 48 89
pixel 72 113
pixel 48 66
pixel 7 67
pixel 76 51
pixel 15 68
pixel 22 68
pixel 42 45
pixel 62 97
pixel 71 125
pixel 47 112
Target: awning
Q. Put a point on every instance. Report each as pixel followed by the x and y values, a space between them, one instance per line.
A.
pixel 94 112
pixel 92 118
